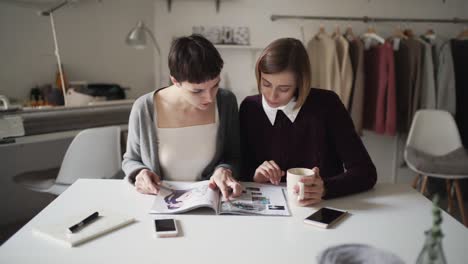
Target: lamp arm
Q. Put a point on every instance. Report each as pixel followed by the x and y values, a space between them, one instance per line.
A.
pixel 56 51
pixel 155 43
pixel 59 61
pixel 153 39
pixel 53 9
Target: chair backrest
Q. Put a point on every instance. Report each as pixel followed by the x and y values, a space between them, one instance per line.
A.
pixel 434 132
pixel 93 154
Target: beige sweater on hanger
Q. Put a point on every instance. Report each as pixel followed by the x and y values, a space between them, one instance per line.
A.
pixel 324 63
pixel 345 68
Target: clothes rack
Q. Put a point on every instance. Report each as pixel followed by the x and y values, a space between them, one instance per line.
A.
pixel 367 19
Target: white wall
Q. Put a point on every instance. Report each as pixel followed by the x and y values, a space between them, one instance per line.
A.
pixel 91 41
pixel 238 74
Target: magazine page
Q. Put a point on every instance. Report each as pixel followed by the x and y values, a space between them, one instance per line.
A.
pixel 257 199
pixel 179 197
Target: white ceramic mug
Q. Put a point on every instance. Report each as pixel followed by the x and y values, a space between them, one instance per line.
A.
pixel 293 177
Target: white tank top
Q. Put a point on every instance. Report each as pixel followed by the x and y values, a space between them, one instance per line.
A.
pixel 184 152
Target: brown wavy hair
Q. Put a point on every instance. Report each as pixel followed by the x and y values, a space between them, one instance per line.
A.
pixel 286 54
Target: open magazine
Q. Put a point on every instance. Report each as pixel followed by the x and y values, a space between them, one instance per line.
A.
pixel 256 199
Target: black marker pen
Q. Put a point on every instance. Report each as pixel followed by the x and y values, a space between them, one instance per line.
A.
pixel 83 223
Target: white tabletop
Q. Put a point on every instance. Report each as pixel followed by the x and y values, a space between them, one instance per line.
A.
pixel 391 217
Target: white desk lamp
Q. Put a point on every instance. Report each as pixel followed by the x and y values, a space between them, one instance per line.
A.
pixel 49 13
pixel 136 38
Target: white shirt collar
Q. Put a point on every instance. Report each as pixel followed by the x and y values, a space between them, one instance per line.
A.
pixel 288 110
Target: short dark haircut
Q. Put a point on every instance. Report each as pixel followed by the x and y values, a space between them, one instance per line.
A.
pixel 286 54
pixel 194 59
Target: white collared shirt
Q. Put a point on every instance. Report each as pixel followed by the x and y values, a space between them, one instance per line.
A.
pixel 288 110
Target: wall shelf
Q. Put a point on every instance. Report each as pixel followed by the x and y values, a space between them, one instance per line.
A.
pixel 240 47
pixel 217 3
pixel 254 51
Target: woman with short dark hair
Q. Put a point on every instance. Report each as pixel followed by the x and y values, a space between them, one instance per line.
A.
pixel 291 125
pixel 188 131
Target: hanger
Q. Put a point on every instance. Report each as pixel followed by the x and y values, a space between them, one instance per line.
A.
pixel 398 33
pixel 371 34
pixel 337 31
pixel 408 32
pixel 349 33
pixel 430 34
pixel 370 29
pixel 322 30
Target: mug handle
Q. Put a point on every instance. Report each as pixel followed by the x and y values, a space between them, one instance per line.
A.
pixel 301 194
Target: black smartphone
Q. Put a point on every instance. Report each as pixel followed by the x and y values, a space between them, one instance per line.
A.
pixel 325 217
pixel 165 227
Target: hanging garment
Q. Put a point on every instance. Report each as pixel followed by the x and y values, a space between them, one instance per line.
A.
pixel 428 89
pixel 345 69
pixel 408 78
pixel 444 74
pixel 380 93
pixel 356 105
pixel 325 73
pixel 460 62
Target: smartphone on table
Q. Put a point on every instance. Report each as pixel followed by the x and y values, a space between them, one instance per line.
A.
pixel 166 227
pixel 325 217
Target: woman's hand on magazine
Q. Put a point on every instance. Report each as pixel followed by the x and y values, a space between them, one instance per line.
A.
pixel 269 171
pixel 147 182
pixel 222 179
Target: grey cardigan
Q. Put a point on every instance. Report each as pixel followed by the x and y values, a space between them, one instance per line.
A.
pixel 444 74
pixel 142 146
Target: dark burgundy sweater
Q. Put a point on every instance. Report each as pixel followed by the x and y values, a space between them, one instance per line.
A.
pixel 322 136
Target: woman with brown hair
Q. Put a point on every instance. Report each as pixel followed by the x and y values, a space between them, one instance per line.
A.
pixel 291 125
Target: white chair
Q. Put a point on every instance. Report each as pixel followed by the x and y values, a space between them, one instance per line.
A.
pixel 94 153
pixel 434 149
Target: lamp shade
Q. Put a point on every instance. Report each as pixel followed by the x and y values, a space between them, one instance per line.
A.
pixel 137 36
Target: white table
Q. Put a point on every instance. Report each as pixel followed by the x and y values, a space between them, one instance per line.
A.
pixel 391 217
